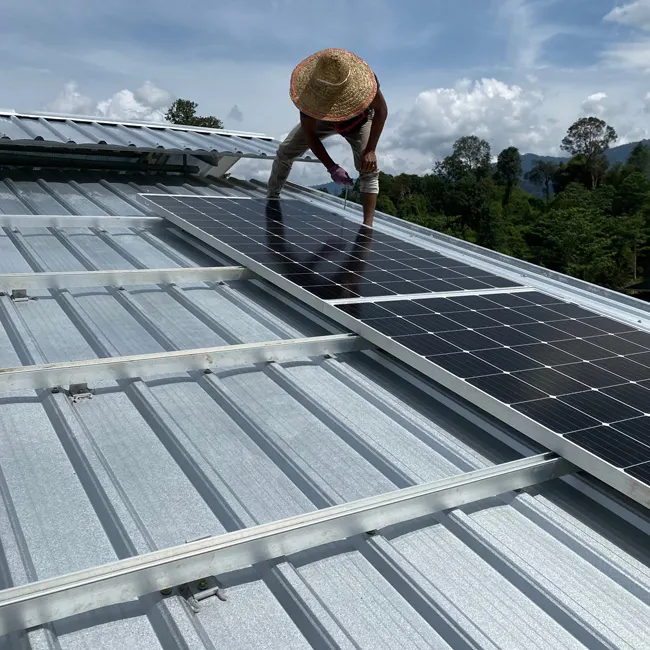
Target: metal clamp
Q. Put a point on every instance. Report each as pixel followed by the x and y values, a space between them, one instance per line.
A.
pixel 19 295
pixel 199 590
pixel 78 392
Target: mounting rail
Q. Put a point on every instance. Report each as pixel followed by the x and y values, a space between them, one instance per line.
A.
pixel 68 279
pixel 53 599
pixel 139 365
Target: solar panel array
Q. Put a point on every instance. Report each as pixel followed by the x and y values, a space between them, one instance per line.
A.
pixel 328 255
pixel 578 374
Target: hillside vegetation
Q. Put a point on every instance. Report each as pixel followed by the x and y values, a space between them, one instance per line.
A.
pixel 592 220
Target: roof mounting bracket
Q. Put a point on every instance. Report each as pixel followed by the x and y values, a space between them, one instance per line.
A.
pixel 78 392
pixel 199 590
pixel 19 295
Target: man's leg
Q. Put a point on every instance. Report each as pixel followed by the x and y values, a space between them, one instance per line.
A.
pixel 368 181
pixel 293 146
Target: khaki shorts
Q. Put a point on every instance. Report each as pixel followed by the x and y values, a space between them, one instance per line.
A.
pixel 295 145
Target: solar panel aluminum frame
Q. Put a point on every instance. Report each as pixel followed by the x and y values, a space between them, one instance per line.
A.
pixel 584 459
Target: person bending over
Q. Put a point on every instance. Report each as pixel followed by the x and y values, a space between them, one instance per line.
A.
pixel 335 92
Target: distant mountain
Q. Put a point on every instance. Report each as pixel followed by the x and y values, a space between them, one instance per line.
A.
pixel 330 188
pixel 615 155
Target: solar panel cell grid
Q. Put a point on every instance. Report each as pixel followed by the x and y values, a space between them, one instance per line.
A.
pixel 555 362
pixel 369 263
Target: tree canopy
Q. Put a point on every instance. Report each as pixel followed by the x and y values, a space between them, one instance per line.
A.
pixel 508 171
pixel 542 173
pixel 183 111
pixel 590 137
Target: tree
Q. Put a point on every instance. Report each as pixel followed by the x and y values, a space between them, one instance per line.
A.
pixel 413 208
pixel 489 227
pixel 508 171
pixel 590 137
pixel 471 155
pixel 573 171
pixel 183 111
pixel 466 199
pixel 575 241
pixel 629 236
pixel 633 195
pixel 639 159
pixel 384 204
pixel 542 173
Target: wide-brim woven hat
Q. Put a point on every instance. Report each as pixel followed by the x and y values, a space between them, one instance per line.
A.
pixel 333 85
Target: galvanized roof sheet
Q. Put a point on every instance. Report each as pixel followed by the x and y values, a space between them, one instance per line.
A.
pixel 20 130
pixel 154 462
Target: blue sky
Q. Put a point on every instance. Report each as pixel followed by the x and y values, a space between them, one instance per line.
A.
pixel 513 71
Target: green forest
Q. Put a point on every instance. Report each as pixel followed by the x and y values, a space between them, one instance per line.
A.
pixel 593 221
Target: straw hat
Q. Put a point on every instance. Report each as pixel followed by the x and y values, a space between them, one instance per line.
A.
pixel 333 85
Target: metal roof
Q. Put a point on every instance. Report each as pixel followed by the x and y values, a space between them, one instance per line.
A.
pixel 147 464
pixel 71 132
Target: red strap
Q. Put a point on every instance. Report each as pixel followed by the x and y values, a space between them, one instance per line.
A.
pixel 349 127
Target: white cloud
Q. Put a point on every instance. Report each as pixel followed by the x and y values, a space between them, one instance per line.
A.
pixel 503 114
pixel 71 102
pixel 634 14
pixel 628 57
pixel 151 95
pixel 595 104
pixel 148 103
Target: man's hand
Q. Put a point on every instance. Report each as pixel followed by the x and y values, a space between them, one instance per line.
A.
pixel 340 176
pixel 368 161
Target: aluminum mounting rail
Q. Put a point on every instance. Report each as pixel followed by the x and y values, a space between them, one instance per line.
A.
pixel 68 279
pixel 74 221
pixel 53 599
pixel 139 365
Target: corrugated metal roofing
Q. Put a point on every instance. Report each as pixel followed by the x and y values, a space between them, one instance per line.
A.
pixel 86 133
pixel 151 463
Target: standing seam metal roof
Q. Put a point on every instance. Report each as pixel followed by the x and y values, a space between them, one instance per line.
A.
pixel 86 133
pixel 154 462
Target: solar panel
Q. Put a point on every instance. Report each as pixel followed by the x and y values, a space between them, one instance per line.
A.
pixel 326 254
pixel 574 380
pixel 579 374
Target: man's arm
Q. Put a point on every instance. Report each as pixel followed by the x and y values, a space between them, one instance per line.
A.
pixel 308 125
pixel 379 119
pixel 368 155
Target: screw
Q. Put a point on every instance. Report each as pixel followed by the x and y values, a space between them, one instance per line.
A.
pixel 56 390
pixel 203 584
pixel 371 533
pixel 166 592
pixel 207 371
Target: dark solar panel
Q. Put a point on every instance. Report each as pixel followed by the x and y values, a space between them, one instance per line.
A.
pixel 343 260
pixel 580 375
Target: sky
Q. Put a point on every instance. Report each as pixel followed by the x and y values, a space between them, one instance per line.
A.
pixel 515 72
